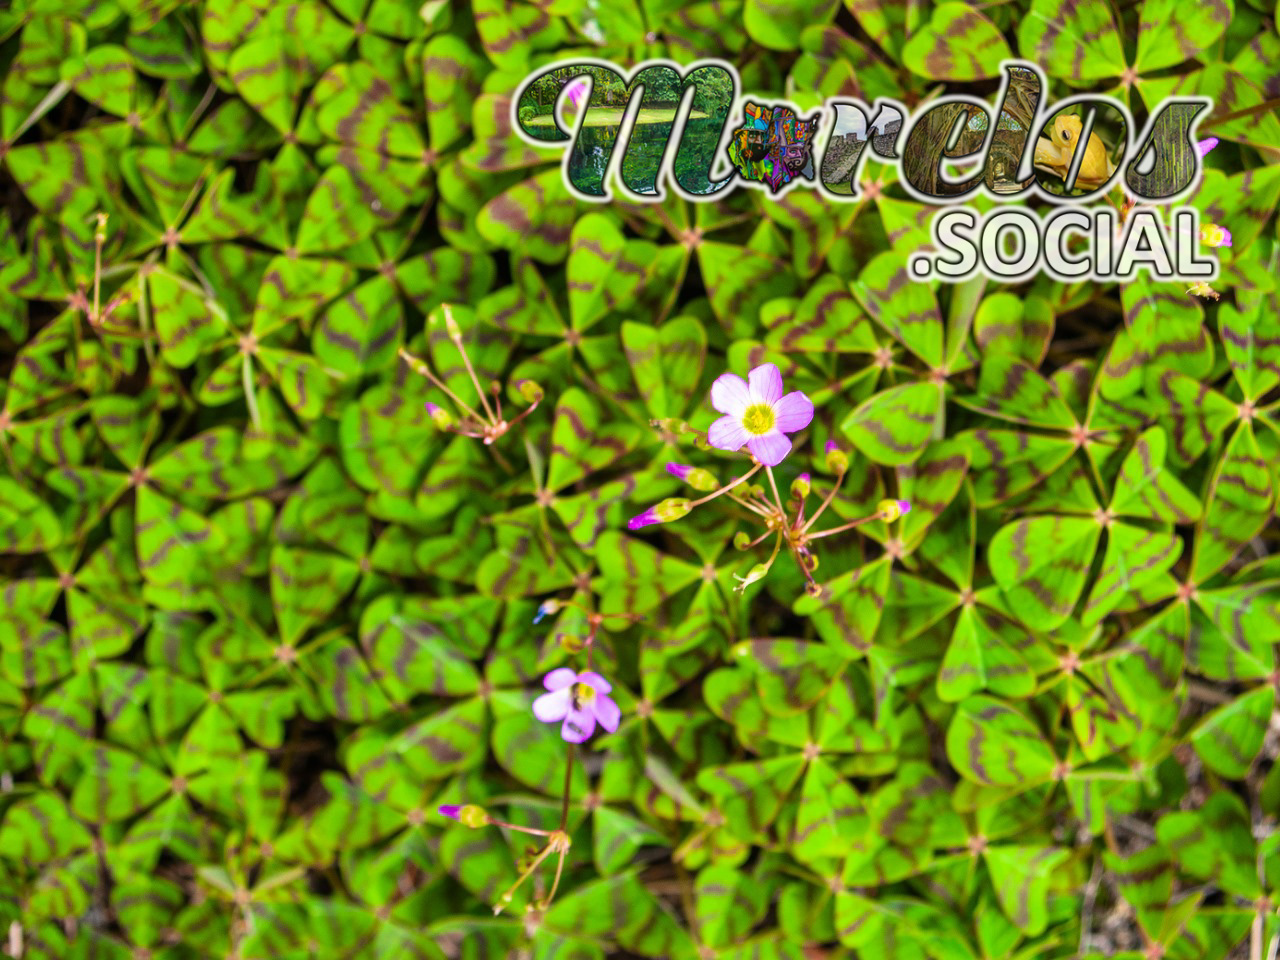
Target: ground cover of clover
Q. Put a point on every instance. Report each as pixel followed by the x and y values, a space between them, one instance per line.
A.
pixel 268 650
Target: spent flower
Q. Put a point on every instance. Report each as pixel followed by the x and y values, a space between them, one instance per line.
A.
pixel 757 414
pixel 580 700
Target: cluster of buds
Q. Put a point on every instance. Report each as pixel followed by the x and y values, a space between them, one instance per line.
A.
pixel 758 415
pixel 489 423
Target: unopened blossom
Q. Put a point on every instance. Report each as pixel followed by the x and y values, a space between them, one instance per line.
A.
pixel 439 416
pixel 673 508
pixel 757 414
pixel 580 700
pixel 695 477
pixel 1215 236
pixel 545 609
pixel 469 815
pixel 892 510
pixel 837 459
pixel 1202 289
pixel 1204 146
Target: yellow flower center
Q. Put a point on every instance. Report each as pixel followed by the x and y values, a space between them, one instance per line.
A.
pixel 758 419
pixel 582 693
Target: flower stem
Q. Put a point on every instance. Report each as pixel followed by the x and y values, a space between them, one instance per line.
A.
pixel 826 501
pixel 521 879
pixel 457 342
pixel 843 527
pixel 727 487
pixel 777 498
pixel 419 366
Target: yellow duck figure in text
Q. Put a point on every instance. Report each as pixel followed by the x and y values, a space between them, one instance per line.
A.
pixel 1054 155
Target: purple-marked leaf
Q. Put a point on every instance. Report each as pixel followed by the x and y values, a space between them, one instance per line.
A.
pixel 635 573
pixel 535 217
pixel 101 628
pixel 1023 877
pixel 994 744
pixel 666 362
pixel 1146 489
pixel 740 279
pixel 104 76
pixel 533 752
pixel 445 275
pixel 829 818
pixel 1073 40
pixel 409 655
pixel 914 605
pixel 497 148
pixel 826 320
pixel 385 439
pixel 616 839
pixel 339 213
pixel 53 439
pixel 727 904
pixel 115 784
pixel 457 475
pixel 1196 413
pixel 623 910
pixel 1010 389
pixel 1229 739
pixel 847 615
pixel 1232 635
pixel 262 71
pixel 522 564
pixel 731 695
pixel 1144 878
pixel 580 443
pixel 1017 327
pixel 984 655
pixel 304 382
pixel 295 288
pixel 906 225
pixel 588 515
pixel 958 43
pixel 446 742
pixel 170 541
pixel 59 177
pixel 1041 564
pixel 906 309
pixel 1102 722
pixel 600 274
pixel 930 484
pixel 791 675
pixel 1134 558
pixel 1005 463
pixel 33 651
pixel 525 306
pixel 1251 343
pixel 451 74
pixel 356 106
pixel 750 795
pixel 39 829
pixel 1169 33
pixel 894 426
pixel 306 587
pixel 1238 505
pixel 341 679
pixel 1151 656
pixel 510 31
pixel 361 332
pixel 212 464
pixel 1231 94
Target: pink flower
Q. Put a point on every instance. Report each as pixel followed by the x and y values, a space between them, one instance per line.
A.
pixel 757 414
pixel 578 93
pixel 580 700
pixel 1204 146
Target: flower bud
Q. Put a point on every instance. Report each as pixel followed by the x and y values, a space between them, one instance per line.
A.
pixel 837 459
pixel 469 815
pixel 570 643
pixel 741 540
pixel 891 510
pixel 800 486
pixel 696 477
pixel 441 417
pixel 673 508
pixel 755 573
pixel 450 324
pixel 529 391
pixel 548 608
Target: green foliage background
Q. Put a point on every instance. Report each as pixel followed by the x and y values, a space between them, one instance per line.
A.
pixel 260 617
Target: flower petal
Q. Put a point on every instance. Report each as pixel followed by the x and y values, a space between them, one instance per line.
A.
pixel 607 713
pixel 559 678
pixel 578 726
pixel 553 706
pixel 770 448
pixel 727 433
pixel 596 682
pixel 730 394
pixel 793 412
pixel 1204 146
pixel 765 383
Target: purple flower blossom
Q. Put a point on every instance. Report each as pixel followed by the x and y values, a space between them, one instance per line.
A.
pixel 673 508
pixel 1215 236
pixel 695 477
pixel 580 700
pixel 757 414
pixel 450 810
pixel 1204 146
pixel 578 93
